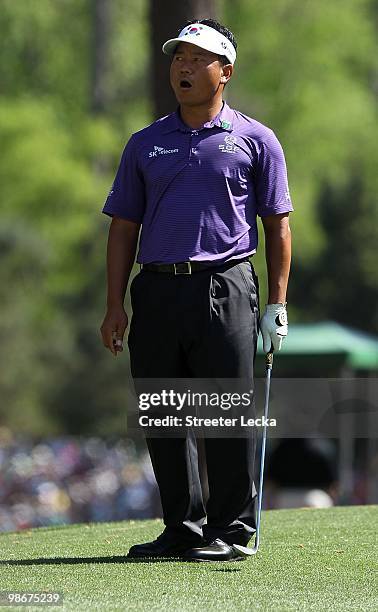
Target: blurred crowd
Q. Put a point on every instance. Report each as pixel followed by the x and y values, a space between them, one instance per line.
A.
pixel 66 480
pixel 71 480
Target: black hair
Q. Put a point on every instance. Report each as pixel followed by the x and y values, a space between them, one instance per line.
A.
pixel 211 23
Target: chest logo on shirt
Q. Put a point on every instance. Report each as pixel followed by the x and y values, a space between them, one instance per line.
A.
pixel 161 151
pixel 229 146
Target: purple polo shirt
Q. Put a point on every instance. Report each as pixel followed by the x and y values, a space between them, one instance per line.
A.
pixel 197 192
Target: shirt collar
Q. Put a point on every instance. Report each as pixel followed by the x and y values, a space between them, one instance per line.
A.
pixel 223 120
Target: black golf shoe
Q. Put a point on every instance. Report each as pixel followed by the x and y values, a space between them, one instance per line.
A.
pixel 217 550
pixel 165 545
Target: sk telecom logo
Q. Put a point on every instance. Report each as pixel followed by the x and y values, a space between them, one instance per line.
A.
pixel 161 151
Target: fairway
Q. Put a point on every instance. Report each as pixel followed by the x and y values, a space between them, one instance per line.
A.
pixel 309 560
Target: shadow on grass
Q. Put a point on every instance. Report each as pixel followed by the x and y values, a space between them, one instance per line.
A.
pixel 115 559
pixel 83 560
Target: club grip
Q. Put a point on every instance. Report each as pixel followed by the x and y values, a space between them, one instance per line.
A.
pixel 269 359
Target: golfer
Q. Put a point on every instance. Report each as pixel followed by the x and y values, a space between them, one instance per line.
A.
pixel 194 182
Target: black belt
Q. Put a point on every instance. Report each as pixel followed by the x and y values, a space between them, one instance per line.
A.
pixel 188 267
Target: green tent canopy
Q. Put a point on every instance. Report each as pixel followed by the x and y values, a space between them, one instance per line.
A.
pixel 329 338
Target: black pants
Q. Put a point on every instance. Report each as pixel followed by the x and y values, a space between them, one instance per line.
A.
pixel 203 325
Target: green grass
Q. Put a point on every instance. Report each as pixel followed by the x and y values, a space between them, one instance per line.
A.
pixel 308 560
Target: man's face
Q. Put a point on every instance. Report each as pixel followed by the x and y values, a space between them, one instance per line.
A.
pixel 197 75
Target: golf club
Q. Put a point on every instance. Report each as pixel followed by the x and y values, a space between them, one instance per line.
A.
pixel 243 550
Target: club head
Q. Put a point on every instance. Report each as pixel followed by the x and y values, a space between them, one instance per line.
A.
pixel 243 550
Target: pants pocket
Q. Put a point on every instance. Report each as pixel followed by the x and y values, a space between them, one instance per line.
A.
pixel 251 283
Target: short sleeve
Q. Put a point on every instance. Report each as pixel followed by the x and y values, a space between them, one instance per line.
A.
pixel 127 195
pixel 271 182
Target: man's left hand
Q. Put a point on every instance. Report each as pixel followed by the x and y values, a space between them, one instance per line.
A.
pixel 274 326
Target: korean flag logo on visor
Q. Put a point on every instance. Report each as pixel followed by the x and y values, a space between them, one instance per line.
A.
pixel 205 37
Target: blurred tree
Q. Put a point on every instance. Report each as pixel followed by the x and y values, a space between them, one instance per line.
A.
pixel 102 16
pixel 78 54
pixel 54 371
pixel 45 51
pixel 166 18
pixel 344 286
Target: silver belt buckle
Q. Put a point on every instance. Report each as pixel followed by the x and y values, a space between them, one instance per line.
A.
pixel 184 263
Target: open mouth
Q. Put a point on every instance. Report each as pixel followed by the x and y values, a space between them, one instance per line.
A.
pixel 185 84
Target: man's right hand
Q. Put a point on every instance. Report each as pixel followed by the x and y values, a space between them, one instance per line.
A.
pixel 113 329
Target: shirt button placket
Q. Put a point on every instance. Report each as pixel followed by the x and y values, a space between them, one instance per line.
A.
pixel 193 150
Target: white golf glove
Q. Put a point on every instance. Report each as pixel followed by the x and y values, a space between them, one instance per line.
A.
pixel 273 325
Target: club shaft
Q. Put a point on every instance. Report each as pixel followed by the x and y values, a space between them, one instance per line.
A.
pixel 263 447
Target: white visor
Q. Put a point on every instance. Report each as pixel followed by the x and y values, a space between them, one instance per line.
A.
pixel 205 37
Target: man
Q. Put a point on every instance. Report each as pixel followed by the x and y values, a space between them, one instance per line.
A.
pixel 195 181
